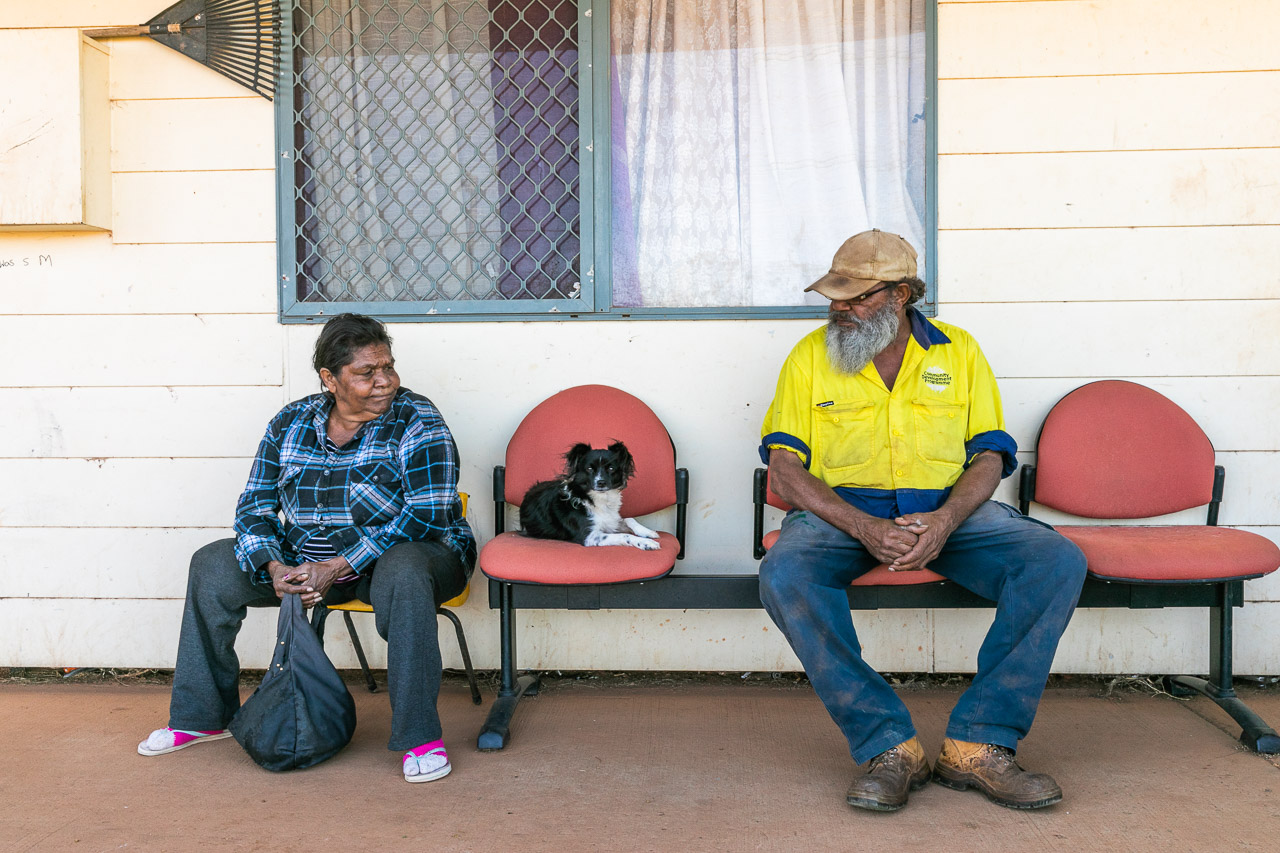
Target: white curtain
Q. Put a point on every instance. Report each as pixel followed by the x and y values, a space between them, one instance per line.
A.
pixel 752 137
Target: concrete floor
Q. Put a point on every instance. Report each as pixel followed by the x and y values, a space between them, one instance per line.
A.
pixel 613 765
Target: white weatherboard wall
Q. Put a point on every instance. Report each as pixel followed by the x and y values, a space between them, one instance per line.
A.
pixel 1107 208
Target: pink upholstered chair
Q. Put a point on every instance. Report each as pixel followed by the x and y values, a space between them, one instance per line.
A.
pixel 1119 450
pixel 599 415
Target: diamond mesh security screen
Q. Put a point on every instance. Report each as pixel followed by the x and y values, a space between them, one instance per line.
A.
pixel 436 150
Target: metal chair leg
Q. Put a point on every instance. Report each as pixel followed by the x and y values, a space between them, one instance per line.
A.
pixel 1255 733
pixel 466 654
pixel 321 614
pixel 496 731
pixel 364 664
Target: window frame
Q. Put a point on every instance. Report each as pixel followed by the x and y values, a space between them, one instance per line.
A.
pixel 595 301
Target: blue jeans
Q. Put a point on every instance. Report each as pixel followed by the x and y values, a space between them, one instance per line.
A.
pixel 1032 573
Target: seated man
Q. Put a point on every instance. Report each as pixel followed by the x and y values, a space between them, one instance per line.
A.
pixel 886 436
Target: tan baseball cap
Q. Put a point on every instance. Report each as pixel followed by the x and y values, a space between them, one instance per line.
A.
pixel 864 261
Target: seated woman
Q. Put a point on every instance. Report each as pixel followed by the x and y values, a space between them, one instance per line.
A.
pixel 353 493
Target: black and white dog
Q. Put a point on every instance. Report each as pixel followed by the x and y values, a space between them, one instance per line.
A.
pixel 583 505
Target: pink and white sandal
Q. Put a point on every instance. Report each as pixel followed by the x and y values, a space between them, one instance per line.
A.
pixel 427 767
pixel 171 740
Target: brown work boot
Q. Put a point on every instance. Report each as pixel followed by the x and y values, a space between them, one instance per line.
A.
pixel 992 770
pixel 890 776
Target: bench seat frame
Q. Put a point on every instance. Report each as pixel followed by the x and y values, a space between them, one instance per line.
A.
pixel 742 592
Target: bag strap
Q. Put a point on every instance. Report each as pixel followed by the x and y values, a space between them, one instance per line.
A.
pixel 290 611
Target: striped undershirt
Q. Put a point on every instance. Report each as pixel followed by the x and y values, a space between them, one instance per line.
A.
pixel 317 548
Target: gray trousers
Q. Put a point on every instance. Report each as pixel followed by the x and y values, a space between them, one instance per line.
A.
pixel 405 585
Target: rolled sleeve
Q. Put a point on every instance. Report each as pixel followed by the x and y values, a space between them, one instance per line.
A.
pixel 995 440
pixel 782 441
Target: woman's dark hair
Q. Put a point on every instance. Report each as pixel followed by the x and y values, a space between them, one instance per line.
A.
pixel 342 336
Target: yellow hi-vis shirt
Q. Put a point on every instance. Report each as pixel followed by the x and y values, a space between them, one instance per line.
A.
pixel 890 452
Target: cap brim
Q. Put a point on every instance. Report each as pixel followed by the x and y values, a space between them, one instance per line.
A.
pixel 836 286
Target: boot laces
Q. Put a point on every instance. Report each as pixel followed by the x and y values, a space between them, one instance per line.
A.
pixel 891 754
pixel 1002 756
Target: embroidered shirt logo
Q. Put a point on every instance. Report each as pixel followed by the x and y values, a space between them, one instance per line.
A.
pixel 936 378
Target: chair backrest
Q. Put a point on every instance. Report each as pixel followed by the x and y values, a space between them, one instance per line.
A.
pixel 598 415
pixel 1116 449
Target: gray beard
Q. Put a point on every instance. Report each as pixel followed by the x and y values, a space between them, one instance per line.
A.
pixel 851 349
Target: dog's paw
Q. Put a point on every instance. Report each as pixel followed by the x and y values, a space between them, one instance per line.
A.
pixel 639 529
pixel 644 544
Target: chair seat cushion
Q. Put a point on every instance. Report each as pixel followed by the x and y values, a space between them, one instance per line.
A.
pixel 1174 554
pixel 522 559
pixel 880 575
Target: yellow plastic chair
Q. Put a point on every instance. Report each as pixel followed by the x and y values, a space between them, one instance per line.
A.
pixel 355 605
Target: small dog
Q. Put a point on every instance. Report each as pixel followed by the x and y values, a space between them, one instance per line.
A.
pixel 583 505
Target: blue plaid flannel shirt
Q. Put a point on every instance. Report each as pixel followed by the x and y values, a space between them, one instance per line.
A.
pixel 395 481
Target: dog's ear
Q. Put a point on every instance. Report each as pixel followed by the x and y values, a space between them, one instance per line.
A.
pixel 625 460
pixel 573 459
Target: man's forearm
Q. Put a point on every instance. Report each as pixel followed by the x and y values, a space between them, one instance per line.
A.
pixel 790 481
pixel 883 539
pixel 974 488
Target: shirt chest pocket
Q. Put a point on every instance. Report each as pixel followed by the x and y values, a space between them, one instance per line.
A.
pixel 845 433
pixel 376 495
pixel 941 426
